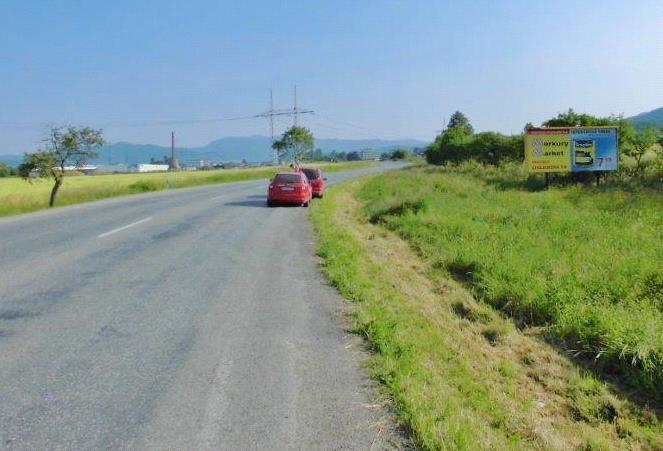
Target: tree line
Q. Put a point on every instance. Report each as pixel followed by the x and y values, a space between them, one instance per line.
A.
pixel 458 142
pixel 297 145
pixel 7 171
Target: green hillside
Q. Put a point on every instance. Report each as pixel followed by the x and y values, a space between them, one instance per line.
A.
pixel 654 117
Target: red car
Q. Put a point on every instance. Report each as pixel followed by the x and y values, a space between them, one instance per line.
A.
pixel 314 176
pixel 289 188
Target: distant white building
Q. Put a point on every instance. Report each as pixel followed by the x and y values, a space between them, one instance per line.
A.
pixel 368 154
pixel 85 169
pixel 147 167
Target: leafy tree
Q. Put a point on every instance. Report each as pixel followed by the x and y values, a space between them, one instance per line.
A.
pixel 494 148
pixel 572 119
pixel 5 171
pixel 315 155
pixel 353 156
pixel 459 121
pixel 449 146
pixel 400 154
pixel 639 143
pixel 338 156
pixel 295 144
pixel 63 147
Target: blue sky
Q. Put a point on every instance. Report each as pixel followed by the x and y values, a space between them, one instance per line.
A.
pixel 368 68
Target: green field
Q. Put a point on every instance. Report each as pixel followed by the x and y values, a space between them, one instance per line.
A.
pixel 19 196
pixel 472 290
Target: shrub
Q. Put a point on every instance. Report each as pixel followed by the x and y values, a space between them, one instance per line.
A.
pixel 6 171
pixel 486 147
pixel 143 186
pixel 400 154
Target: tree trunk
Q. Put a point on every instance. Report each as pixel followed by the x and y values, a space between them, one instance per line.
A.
pixel 637 162
pixel 54 191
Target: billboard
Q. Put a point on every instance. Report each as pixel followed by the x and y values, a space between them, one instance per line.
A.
pixel 571 149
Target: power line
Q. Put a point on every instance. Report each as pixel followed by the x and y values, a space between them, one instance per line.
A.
pixel 273 114
pixel 343 125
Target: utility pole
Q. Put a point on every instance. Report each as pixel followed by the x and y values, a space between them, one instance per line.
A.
pixel 174 166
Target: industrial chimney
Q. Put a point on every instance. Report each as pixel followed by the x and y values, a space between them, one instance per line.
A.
pixel 174 165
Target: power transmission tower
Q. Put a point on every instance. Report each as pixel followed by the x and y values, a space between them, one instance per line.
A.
pixel 295 112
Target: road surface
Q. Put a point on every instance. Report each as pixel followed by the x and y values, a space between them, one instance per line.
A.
pixel 186 319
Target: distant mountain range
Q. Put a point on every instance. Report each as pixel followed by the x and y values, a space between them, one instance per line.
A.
pixel 654 117
pixel 230 149
pixel 256 148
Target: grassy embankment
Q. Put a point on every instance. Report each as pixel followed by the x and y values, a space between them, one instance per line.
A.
pixel 461 280
pixel 19 196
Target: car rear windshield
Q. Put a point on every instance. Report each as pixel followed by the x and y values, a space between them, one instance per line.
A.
pixel 288 178
pixel 311 174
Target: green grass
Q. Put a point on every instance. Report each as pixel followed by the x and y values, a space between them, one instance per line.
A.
pixel 586 263
pixel 18 196
pixel 461 376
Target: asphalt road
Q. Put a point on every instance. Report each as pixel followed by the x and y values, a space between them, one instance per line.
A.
pixel 187 319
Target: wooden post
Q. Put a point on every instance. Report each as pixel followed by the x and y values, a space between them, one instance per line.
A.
pixel 545 177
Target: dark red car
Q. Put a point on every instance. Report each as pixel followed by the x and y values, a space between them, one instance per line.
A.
pixel 314 176
pixel 289 188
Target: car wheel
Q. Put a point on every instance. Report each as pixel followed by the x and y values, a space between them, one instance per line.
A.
pixel 270 203
pixel 305 204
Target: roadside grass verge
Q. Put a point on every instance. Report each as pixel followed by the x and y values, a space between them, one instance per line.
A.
pixel 18 196
pixel 584 263
pixel 460 374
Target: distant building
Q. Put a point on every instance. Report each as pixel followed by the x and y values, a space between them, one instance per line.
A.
pixel 85 169
pixel 368 154
pixel 113 168
pixel 147 167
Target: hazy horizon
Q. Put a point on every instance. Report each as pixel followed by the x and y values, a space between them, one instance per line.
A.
pixel 370 70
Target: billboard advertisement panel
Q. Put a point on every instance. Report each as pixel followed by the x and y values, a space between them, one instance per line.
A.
pixel 572 149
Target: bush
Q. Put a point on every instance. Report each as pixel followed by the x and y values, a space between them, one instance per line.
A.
pixel 143 186
pixel 487 147
pixel 400 154
pixel 6 171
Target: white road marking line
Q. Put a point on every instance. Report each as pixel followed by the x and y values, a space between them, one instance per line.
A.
pixel 119 229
